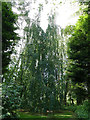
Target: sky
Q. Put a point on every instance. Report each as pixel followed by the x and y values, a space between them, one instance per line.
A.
pixel 64 11
pixel 64 14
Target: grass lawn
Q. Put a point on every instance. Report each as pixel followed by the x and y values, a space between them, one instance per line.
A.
pixel 56 116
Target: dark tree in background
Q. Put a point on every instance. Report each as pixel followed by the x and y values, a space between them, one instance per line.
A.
pixel 78 52
pixel 9 37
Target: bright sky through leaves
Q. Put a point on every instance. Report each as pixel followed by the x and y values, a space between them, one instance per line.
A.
pixel 64 13
pixel 64 10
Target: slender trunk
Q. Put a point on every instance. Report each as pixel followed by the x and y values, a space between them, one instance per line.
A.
pixel 66 87
pixel 61 91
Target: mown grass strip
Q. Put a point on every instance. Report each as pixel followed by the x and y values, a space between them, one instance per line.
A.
pixel 64 114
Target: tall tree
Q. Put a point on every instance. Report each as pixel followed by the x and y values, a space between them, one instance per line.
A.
pixel 78 52
pixel 39 61
pixel 9 37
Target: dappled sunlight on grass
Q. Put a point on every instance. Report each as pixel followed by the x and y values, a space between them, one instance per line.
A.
pixel 27 115
pixel 64 114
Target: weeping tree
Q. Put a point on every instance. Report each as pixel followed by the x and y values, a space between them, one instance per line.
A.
pixel 39 69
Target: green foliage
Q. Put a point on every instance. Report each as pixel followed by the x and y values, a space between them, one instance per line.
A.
pixel 82 111
pixel 71 108
pixel 9 37
pixel 37 81
pixel 78 53
pixel 69 29
pixel 10 99
pixel 39 69
pixel 78 46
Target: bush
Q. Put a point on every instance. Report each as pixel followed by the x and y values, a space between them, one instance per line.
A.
pixel 10 100
pixel 82 111
pixel 71 108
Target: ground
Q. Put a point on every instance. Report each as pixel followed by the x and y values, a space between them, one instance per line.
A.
pixel 57 116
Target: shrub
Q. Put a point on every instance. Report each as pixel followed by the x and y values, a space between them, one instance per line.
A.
pixel 71 108
pixel 82 111
pixel 10 100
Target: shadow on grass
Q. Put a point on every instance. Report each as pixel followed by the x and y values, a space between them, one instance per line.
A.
pixel 65 115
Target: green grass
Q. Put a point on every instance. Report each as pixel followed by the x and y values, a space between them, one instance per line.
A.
pixel 63 114
pixel 28 115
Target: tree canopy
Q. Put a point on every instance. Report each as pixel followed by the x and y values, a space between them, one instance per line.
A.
pixel 78 52
pixel 9 37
